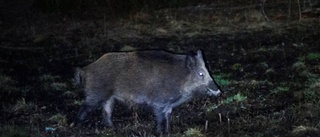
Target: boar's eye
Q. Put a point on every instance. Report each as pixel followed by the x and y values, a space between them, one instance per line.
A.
pixel 200 74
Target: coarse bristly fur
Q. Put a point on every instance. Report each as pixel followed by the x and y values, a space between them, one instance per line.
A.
pixel 160 79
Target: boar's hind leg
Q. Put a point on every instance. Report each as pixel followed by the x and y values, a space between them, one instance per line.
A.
pixel 162 119
pixel 107 112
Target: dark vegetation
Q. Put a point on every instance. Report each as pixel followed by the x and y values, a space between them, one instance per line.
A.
pixel 268 65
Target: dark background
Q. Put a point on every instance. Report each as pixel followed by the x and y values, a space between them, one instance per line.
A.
pixel 264 55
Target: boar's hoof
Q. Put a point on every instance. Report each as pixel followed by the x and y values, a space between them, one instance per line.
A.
pixel 108 124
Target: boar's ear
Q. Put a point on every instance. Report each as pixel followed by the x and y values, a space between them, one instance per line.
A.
pixel 190 61
pixel 199 54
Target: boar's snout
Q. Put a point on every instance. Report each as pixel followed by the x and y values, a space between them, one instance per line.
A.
pixel 213 90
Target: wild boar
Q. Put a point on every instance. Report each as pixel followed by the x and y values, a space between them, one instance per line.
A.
pixel 158 78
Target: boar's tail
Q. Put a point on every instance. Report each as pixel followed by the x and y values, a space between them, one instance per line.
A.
pixel 77 80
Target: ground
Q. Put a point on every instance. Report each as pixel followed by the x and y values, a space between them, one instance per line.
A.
pixel 267 66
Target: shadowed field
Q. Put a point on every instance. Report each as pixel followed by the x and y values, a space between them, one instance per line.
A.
pixel 269 70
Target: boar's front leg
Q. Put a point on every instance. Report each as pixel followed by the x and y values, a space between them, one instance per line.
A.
pixel 91 102
pixel 162 119
pixel 83 112
pixel 107 113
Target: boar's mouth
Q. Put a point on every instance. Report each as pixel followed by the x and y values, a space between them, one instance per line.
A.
pixel 213 92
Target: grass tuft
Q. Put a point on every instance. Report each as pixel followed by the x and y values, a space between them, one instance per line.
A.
pixel 60 119
pixel 229 100
pixel 22 106
pixel 299 66
pixel 194 132
pixel 313 56
pixel 221 79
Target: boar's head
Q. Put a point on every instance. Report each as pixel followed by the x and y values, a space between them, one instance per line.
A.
pixel 199 80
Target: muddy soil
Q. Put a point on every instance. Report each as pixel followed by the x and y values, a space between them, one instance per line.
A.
pixel 268 70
